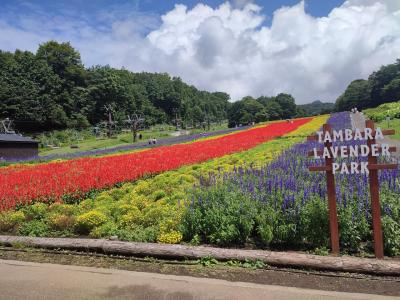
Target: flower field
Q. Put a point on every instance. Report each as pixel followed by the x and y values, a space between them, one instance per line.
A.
pixel 259 196
pixel 282 203
pixel 74 178
pixel 148 210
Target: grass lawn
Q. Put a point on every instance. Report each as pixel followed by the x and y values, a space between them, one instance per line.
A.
pixel 393 124
pixel 122 139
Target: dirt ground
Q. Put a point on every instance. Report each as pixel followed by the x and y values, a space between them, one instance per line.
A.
pixel 330 281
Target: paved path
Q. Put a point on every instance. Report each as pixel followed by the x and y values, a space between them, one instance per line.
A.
pixel 26 280
pixel 135 146
pixel 358 121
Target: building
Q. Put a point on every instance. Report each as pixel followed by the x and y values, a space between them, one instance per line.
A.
pixel 15 147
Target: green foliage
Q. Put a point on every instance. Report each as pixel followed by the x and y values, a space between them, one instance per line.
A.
pixel 207 261
pixel 34 228
pixel 391 236
pixel 35 211
pixel 52 89
pixel 314 222
pixel 60 222
pixel 10 220
pixel 323 251
pixel 86 222
pixel 105 230
pixel 352 229
pixel 247 264
pixel 382 86
pixel 265 232
pixel 357 94
pixel 249 110
pixel 222 218
pixel 380 113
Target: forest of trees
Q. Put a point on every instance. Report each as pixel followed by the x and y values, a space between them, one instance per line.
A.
pixel 51 89
pixel 381 86
pixel 249 110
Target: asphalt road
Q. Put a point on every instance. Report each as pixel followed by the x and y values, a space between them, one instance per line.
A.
pixel 26 280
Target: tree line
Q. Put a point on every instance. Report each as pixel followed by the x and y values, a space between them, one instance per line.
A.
pixel 51 89
pixel 382 86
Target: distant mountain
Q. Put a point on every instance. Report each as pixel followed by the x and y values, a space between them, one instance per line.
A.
pixel 315 108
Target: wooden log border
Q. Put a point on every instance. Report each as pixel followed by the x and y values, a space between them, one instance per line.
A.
pixel 284 259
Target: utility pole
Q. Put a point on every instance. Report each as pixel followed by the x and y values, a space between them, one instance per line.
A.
pixel 134 121
pixel 109 110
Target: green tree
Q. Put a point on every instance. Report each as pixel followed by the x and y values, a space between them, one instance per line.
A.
pixel 274 110
pixel 391 91
pixel 287 104
pixel 64 60
pixel 29 91
pixel 381 78
pixel 357 94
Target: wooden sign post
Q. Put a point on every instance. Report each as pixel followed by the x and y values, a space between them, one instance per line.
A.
pixel 330 184
pixel 371 150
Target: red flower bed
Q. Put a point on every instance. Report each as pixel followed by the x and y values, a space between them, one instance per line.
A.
pixel 75 177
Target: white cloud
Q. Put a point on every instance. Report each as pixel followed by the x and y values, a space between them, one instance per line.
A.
pixel 227 48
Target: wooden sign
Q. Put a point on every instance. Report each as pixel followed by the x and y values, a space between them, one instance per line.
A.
pixel 371 150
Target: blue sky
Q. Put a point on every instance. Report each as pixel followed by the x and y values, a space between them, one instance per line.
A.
pixel 89 9
pixel 312 49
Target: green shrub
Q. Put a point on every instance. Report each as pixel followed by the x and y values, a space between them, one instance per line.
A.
pixel 10 220
pixel 121 209
pixel 35 211
pixel 106 230
pixel 34 228
pixel 314 223
pixel 117 194
pixel 142 188
pixel 60 222
pixel 86 222
pixel 61 208
pixel 139 234
pixel 104 198
pixel 266 233
pixel 154 213
pixel 87 204
pixel 140 201
pixel 380 113
pixel 220 216
pixel 391 236
pixel 157 195
pixel 353 229
pixel 132 218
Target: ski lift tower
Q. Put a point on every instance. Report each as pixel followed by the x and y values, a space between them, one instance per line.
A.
pixel 6 126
